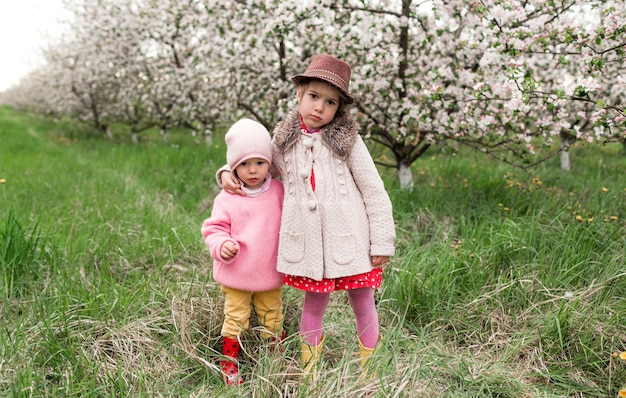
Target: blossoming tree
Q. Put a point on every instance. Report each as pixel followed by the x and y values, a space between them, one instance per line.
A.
pixel 517 80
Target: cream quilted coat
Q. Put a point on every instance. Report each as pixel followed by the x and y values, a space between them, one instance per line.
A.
pixel 330 232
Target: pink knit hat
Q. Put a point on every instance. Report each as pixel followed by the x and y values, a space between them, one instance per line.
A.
pixel 331 70
pixel 247 139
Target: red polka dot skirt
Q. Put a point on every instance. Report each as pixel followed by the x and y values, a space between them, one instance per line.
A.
pixel 371 279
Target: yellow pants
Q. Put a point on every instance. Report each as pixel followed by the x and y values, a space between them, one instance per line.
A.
pixel 268 306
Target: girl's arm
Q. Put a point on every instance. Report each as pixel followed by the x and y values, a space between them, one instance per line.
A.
pixel 376 200
pixel 228 181
pixel 216 232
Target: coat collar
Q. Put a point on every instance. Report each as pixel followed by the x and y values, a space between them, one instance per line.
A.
pixel 339 135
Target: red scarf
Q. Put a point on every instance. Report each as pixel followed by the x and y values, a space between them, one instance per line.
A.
pixel 307 131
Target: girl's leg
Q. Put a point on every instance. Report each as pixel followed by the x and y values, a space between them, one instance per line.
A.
pixel 236 319
pixel 236 311
pixel 364 307
pixel 311 322
pixel 269 310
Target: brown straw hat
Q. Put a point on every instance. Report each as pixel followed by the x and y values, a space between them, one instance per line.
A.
pixel 331 70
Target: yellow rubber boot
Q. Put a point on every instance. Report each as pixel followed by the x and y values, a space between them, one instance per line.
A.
pixel 310 357
pixel 366 355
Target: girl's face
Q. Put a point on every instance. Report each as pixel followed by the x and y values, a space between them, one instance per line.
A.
pixel 252 172
pixel 317 102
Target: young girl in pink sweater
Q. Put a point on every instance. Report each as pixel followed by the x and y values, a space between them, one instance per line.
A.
pixel 242 236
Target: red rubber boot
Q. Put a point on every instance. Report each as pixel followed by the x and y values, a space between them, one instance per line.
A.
pixel 278 342
pixel 230 369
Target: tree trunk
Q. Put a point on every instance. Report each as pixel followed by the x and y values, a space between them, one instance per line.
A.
pixel 565 160
pixel 135 137
pixel 208 137
pixel 565 163
pixel 165 134
pixel 405 176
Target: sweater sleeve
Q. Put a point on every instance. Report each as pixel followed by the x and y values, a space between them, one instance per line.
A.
pixel 216 230
pixel 376 200
pixel 218 174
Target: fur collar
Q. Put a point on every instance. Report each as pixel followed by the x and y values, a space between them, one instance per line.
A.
pixel 339 135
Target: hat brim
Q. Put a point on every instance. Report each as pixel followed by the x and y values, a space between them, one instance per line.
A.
pixel 300 79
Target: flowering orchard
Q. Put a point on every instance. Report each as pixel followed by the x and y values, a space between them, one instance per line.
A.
pixel 518 80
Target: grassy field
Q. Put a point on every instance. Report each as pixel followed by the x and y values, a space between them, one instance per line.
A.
pixel 504 284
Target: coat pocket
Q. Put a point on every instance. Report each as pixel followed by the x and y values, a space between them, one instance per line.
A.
pixel 292 246
pixel 344 248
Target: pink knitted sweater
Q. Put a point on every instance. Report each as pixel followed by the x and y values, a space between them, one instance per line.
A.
pixel 254 224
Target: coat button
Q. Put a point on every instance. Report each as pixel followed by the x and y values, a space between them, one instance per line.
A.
pixel 304 173
pixel 312 204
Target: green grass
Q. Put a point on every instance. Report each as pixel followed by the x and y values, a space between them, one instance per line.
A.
pixel 504 284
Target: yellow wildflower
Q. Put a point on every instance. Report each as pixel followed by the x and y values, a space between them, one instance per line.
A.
pixel 622 393
pixel 613 218
pixel 622 355
pixel 605 189
pixel 579 218
pixel 2 180
pixel 506 209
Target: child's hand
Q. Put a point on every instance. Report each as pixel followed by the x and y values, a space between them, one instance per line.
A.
pixel 229 250
pixel 379 261
pixel 230 183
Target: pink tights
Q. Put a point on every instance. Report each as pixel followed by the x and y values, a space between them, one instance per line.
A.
pixel 363 306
